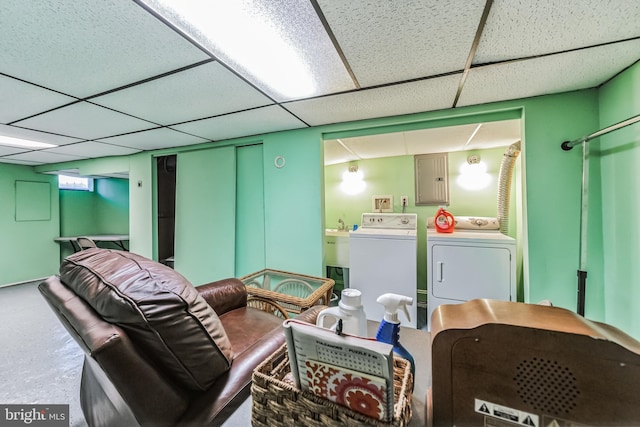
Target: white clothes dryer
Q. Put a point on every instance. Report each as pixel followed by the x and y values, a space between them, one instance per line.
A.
pixel 469 264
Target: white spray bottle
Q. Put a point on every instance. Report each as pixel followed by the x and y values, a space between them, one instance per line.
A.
pixel 389 330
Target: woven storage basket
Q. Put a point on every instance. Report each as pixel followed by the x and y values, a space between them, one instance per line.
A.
pixel 276 401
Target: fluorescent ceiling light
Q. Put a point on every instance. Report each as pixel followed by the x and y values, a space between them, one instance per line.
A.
pixel 281 47
pixel 26 143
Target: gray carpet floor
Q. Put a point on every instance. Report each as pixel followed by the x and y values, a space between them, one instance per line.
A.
pixel 39 362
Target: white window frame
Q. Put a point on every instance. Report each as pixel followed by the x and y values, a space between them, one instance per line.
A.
pixel 80 183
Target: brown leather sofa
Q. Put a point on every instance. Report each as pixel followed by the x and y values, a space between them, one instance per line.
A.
pixel 159 351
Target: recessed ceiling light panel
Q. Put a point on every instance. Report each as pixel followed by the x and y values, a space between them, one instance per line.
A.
pixel 19 142
pixel 281 47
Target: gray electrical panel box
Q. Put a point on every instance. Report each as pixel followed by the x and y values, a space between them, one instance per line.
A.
pixel 432 179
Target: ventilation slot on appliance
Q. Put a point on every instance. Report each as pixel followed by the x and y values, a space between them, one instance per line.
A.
pixel 547 386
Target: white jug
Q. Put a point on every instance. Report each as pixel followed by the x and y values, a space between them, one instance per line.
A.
pixel 350 310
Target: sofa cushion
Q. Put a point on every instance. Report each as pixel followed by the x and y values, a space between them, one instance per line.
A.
pixel 161 311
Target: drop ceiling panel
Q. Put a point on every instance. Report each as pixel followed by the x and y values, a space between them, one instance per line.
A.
pixel 19 162
pixel 154 139
pixel 517 29
pixel 26 99
pixel 406 98
pixel 438 140
pixel 89 46
pixel 6 150
pixel 424 141
pixel 374 146
pixel 85 120
pixel 49 138
pixel 386 41
pixel 252 122
pixel 334 152
pixel 92 149
pixel 299 30
pixel 196 93
pixel 550 74
pixel 40 157
pixel 496 134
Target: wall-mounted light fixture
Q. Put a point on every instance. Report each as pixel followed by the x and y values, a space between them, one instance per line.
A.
pixel 473 174
pixel 352 181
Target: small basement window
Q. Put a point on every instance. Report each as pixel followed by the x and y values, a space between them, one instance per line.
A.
pixel 66 182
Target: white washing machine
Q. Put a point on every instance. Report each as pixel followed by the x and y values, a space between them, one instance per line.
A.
pixel 383 254
pixel 470 263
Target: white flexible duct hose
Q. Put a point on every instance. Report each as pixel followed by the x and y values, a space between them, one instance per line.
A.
pixel 504 184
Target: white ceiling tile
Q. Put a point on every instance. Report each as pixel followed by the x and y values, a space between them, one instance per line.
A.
pixel 89 46
pixel 253 122
pixel 550 74
pixel 19 162
pixel 6 150
pixel 406 98
pixel 154 139
pixel 196 93
pixel 386 41
pixel 92 149
pixel 423 141
pixel 335 152
pixel 32 135
pixel 439 140
pixel 85 120
pixel 296 24
pixel 26 99
pixel 40 157
pixel 517 29
pixel 497 134
pixel 374 146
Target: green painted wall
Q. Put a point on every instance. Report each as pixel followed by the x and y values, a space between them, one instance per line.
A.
pixel 102 211
pixel 395 176
pixel 294 194
pixel 141 188
pixel 205 214
pixel 27 248
pixel 618 156
pixel 105 210
pixel 250 224
pixel 294 201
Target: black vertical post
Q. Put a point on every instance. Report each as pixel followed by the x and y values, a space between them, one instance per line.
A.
pixel 582 285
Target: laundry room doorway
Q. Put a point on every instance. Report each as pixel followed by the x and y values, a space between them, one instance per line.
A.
pixel 362 166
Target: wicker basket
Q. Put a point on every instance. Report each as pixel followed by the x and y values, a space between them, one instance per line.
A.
pixel 276 401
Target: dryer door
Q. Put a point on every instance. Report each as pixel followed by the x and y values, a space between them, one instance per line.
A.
pixel 467 272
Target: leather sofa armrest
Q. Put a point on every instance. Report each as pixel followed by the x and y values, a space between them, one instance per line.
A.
pixel 224 295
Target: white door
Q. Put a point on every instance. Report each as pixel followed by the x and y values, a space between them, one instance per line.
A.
pixel 464 273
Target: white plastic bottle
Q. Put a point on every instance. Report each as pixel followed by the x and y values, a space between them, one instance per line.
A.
pixel 350 310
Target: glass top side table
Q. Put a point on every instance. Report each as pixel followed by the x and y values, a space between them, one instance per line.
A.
pixel 295 292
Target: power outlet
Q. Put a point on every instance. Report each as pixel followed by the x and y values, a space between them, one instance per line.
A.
pixel 404 200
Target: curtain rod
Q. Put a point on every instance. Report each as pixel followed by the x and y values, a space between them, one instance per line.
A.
pixel 568 145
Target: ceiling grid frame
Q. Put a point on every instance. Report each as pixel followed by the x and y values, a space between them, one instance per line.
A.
pixel 39 94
